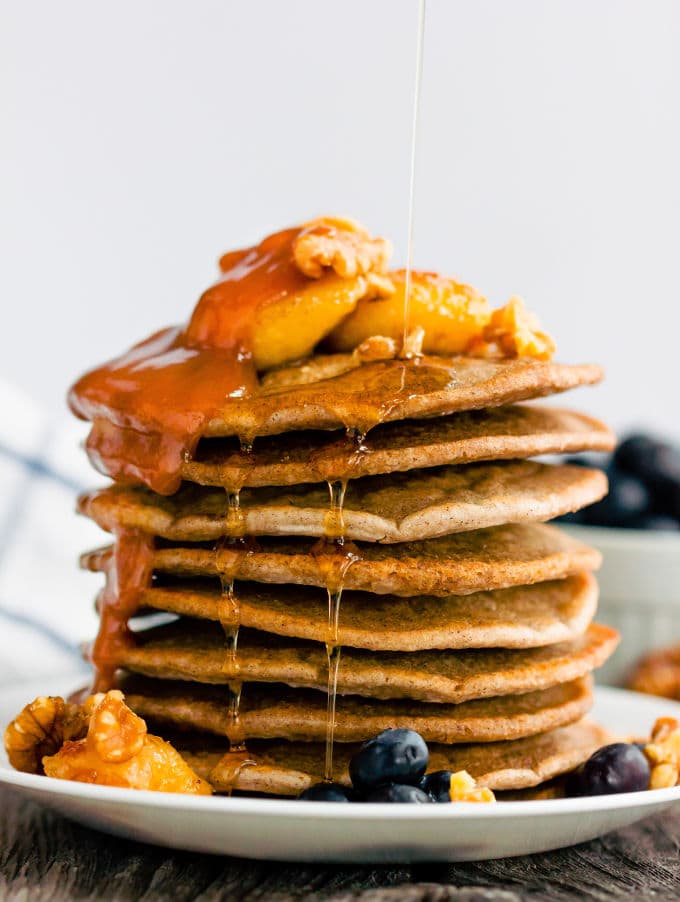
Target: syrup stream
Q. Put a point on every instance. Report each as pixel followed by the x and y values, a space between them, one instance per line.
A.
pixel 229 553
pixel 335 531
pixel 412 178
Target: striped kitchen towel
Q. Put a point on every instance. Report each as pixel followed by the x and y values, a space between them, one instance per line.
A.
pixel 46 602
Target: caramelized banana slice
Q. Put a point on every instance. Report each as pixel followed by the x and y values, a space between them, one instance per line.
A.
pixel 450 313
pixel 277 300
pixel 118 751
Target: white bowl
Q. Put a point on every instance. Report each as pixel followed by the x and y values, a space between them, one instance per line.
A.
pixel 639 591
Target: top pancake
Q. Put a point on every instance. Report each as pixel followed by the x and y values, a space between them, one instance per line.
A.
pixel 322 393
pixel 517 431
pixel 397 507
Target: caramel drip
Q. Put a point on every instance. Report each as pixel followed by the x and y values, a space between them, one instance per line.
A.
pixel 150 406
pixel 128 571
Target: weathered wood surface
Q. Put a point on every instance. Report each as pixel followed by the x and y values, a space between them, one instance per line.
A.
pixel 43 856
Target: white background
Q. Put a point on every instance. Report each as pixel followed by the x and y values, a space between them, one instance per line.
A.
pixel 142 139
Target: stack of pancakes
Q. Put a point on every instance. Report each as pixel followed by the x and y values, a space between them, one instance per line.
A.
pixel 460 613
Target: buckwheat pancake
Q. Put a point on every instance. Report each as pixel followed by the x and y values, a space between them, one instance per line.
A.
pixel 461 563
pixel 398 507
pixel 519 617
pixel 513 432
pixel 333 392
pixel 193 651
pixel 279 712
pixel 287 768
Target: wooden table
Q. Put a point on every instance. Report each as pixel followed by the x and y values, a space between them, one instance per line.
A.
pixel 43 856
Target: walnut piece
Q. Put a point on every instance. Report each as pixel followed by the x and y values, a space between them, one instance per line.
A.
pixel 101 741
pixel 513 331
pixel 377 347
pixel 658 673
pixel 663 753
pixel 464 789
pixel 341 245
pixel 118 751
pixel 41 729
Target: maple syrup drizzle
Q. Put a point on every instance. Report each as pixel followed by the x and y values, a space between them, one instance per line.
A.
pixel 334 555
pixel 412 175
pixel 230 551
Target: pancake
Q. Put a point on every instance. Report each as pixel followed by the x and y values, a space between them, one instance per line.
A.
pixel 398 507
pixel 520 617
pixel 457 564
pixel 331 392
pixel 287 768
pixel 194 651
pixel 279 712
pixel 501 433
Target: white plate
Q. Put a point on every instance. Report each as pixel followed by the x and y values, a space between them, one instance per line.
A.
pixel 323 831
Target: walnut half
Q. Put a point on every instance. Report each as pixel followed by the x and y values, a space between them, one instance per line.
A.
pixel 41 729
pixel 663 753
pixel 341 245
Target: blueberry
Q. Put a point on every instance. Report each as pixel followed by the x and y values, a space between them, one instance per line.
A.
pixel 628 497
pixel 620 767
pixel 399 792
pixel 648 458
pixel 326 792
pixel 393 756
pixel 437 785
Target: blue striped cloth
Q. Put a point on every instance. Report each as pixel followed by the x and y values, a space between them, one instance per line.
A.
pixel 46 602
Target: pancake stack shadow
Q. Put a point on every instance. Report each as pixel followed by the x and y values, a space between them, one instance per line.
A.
pixel 411 569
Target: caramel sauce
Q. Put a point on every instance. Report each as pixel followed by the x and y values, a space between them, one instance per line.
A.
pixel 128 571
pixel 150 406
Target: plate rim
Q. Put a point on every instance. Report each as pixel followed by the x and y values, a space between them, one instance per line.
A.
pixel 51 787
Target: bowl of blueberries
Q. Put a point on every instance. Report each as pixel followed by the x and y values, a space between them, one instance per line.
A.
pixel 637 529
